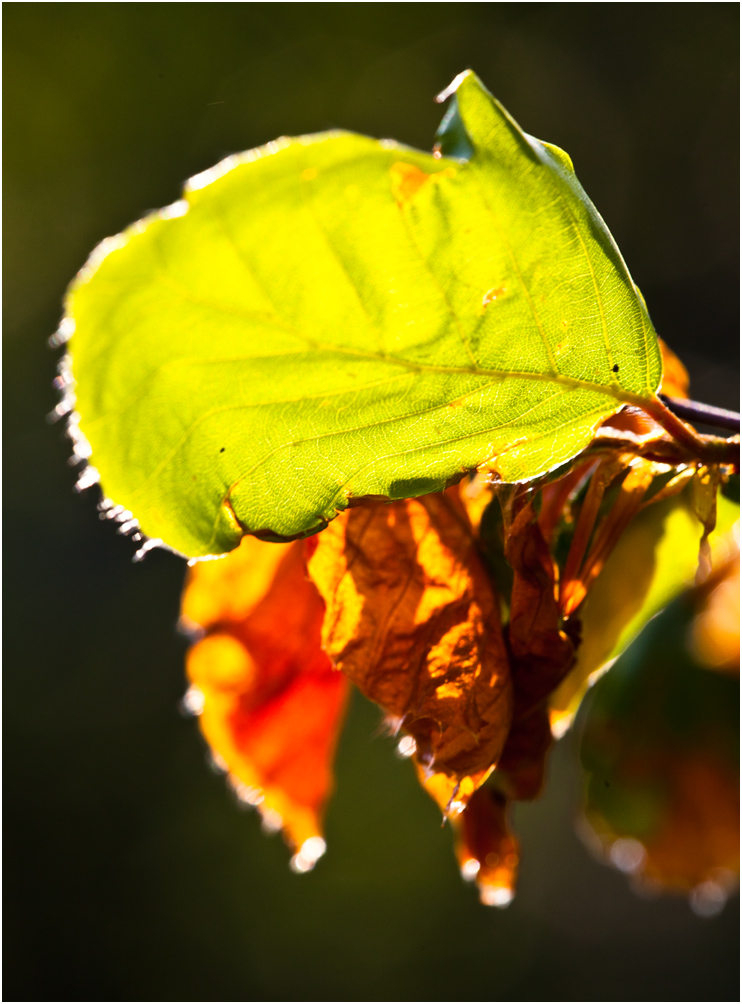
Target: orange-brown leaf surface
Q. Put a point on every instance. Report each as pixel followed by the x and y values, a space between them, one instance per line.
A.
pixel 272 703
pixel 695 839
pixel 413 620
pixel 704 489
pixel 486 849
pixel 675 379
pixel 542 652
pixel 714 635
pixel 660 747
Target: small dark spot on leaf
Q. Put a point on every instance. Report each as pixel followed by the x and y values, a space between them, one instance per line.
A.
pixel 222 450
pixel 607 784
pixel 615 368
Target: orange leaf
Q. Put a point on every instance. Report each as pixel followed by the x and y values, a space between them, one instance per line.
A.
pixel 714 634
pixel 272 703
pixel 486 849
pixel 675 379
pixel 413 620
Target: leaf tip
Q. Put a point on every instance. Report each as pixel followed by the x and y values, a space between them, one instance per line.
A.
pixel 308 855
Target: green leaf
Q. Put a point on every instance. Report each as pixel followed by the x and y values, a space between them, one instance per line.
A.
pixel 653 562
pixel 332 317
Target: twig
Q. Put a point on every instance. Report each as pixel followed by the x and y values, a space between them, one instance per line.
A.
pixel 694 411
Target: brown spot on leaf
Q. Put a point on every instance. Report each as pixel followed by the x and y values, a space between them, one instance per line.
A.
pixel 493 294
pixel 407 180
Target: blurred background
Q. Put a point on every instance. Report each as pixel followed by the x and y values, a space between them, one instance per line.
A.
pixel 131 874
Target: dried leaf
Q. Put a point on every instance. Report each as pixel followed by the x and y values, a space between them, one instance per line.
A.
pixel 413 620
pixel 704 489
pixel 272 703
pixel 655 559
pixel 675 379
pixel 542 652
pixel 661 750
pixel 486 849
pixel 521 770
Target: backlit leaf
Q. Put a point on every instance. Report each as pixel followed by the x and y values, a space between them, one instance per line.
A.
pixel 542 651
pixel 655 559
pixel 486 849
pixel 661 749
pixel 413 621
pixel 675 379
pixel 332 317
pixel 270 703
pixel 714 635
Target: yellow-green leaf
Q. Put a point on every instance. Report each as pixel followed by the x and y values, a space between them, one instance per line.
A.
pixel 332 317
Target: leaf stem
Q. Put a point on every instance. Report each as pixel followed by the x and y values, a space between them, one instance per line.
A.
pixel 709 449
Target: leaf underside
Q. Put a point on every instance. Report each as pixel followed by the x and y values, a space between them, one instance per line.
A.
pixel 335 317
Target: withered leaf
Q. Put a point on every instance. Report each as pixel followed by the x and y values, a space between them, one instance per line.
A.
pixel 542 652
pixel 413 621
pixel 486 849
pixel 704 489
pixel 661 750
pixel 272 703
pixel 521 770
pixel 675 379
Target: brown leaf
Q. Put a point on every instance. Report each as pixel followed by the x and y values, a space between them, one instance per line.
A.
pixel 521 770
pixel 486 849
pixel 272 703
pixel 542 652
pixel 413 621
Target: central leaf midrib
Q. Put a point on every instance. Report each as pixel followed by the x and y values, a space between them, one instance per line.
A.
pixel 609 390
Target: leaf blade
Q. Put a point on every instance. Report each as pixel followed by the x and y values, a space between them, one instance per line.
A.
pixel 334 317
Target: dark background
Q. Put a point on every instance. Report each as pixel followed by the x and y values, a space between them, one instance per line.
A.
pixel 130 872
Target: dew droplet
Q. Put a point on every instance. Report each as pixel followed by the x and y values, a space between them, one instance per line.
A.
pixel 174 210
pixel 308 855
pixel 193 701
pixel 496 895
pixel 63 333
pixel 87 479
pixel 627 854
pixel 148 545
pixel 406 747
pixel 708 899
pixel 470 869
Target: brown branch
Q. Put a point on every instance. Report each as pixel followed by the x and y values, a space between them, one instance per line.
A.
pixel 694 411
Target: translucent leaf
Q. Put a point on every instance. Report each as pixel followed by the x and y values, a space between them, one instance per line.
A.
pixel 654 560
pixel 413 621
pixel 333 317
pixel 269 701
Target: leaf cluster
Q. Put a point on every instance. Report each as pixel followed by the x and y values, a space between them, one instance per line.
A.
pixel 414 399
